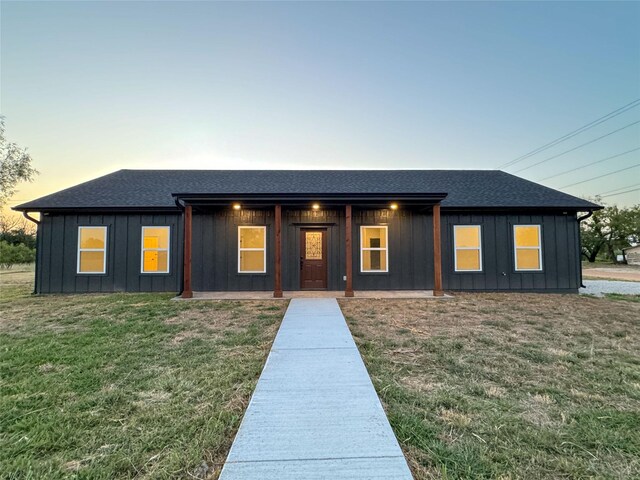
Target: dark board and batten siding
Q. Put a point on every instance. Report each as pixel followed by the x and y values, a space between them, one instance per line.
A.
pixel 560 254
pixel 410 250
pixel 215 248
pixel 333 221
pixel 215 251
pixel 58 254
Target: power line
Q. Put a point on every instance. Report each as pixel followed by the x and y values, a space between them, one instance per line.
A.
pixel 576 148
pixel 621 193
pixel 620 188
pixel 584 128
pixel 569 135
pixel 600 176
pixel 589 164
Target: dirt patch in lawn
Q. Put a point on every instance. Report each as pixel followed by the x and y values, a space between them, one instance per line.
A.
pixel 611 271
pixel 629 275
pixel 518 317
pixel 507 385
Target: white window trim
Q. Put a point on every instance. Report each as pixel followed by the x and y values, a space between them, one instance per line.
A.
pixel 516 248
pixel 103 250
pixel 143 249
pixel 253 249
pixel 385 249
pixel 456 248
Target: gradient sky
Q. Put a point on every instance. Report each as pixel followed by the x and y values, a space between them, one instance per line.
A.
pixel 93 87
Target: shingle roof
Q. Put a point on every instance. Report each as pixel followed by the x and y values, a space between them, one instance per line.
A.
pixel 154 188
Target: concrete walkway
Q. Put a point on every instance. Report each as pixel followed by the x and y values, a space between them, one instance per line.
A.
pixel 314 413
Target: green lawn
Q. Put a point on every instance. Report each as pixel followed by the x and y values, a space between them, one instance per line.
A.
pixel 124 385
pixel 508 385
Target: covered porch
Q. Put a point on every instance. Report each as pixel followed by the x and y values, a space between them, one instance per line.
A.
pixel 283 233
pixel 288 295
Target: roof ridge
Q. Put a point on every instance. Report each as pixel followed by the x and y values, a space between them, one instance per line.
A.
pixel 299 170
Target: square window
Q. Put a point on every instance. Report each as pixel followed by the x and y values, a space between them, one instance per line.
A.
pixel 527 236
pixel 91 262
pixel 468 260
pixel 527 259
pixel 92 237
pixel 251 261
pixel 374 261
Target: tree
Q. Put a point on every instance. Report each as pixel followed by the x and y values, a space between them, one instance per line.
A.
pixel 610 230
pixel 15 166
pixel 12 221
pixel 19 237
pixel 625 228
pixel 15 229
pixel 593 235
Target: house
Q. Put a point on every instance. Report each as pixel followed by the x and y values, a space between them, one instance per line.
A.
pixel 223 230
pixel 632 255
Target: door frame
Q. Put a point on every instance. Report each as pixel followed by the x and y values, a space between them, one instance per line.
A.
pixel 325 251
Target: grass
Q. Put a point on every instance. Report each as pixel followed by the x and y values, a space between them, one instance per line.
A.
pixel 124 385
pixel 599 264
pixel 508 385
pixel 624 298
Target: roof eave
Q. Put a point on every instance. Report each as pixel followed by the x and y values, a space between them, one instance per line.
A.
pixel 304 198
pixel 119 209
pixel 573 208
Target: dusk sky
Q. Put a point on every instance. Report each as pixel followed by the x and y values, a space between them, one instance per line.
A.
pixel 92 87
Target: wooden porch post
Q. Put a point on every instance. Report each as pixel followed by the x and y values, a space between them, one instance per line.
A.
pixel 277 270
pixel 437 253
pixel 349 253
pixel 186 285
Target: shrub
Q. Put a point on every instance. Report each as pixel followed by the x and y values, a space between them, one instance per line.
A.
pixel 11 255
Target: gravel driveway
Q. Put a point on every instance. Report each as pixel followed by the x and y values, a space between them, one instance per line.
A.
pixel 600 287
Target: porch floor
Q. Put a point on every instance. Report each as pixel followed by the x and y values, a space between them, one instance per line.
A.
pixel 313 294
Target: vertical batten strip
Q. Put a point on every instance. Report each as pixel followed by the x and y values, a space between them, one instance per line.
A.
pixel 349 252
pixel 277 292
pixel 437 253
pixel 188 226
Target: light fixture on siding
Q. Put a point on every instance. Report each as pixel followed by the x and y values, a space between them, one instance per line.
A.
pixel 236 206
pixel 393 206
pixel 316 206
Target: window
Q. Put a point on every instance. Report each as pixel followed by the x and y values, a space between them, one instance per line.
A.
pixel 373 249
pixel 92 249
pixel 528 247
pixel 468 248
pixel 252 249
pixel 155 250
